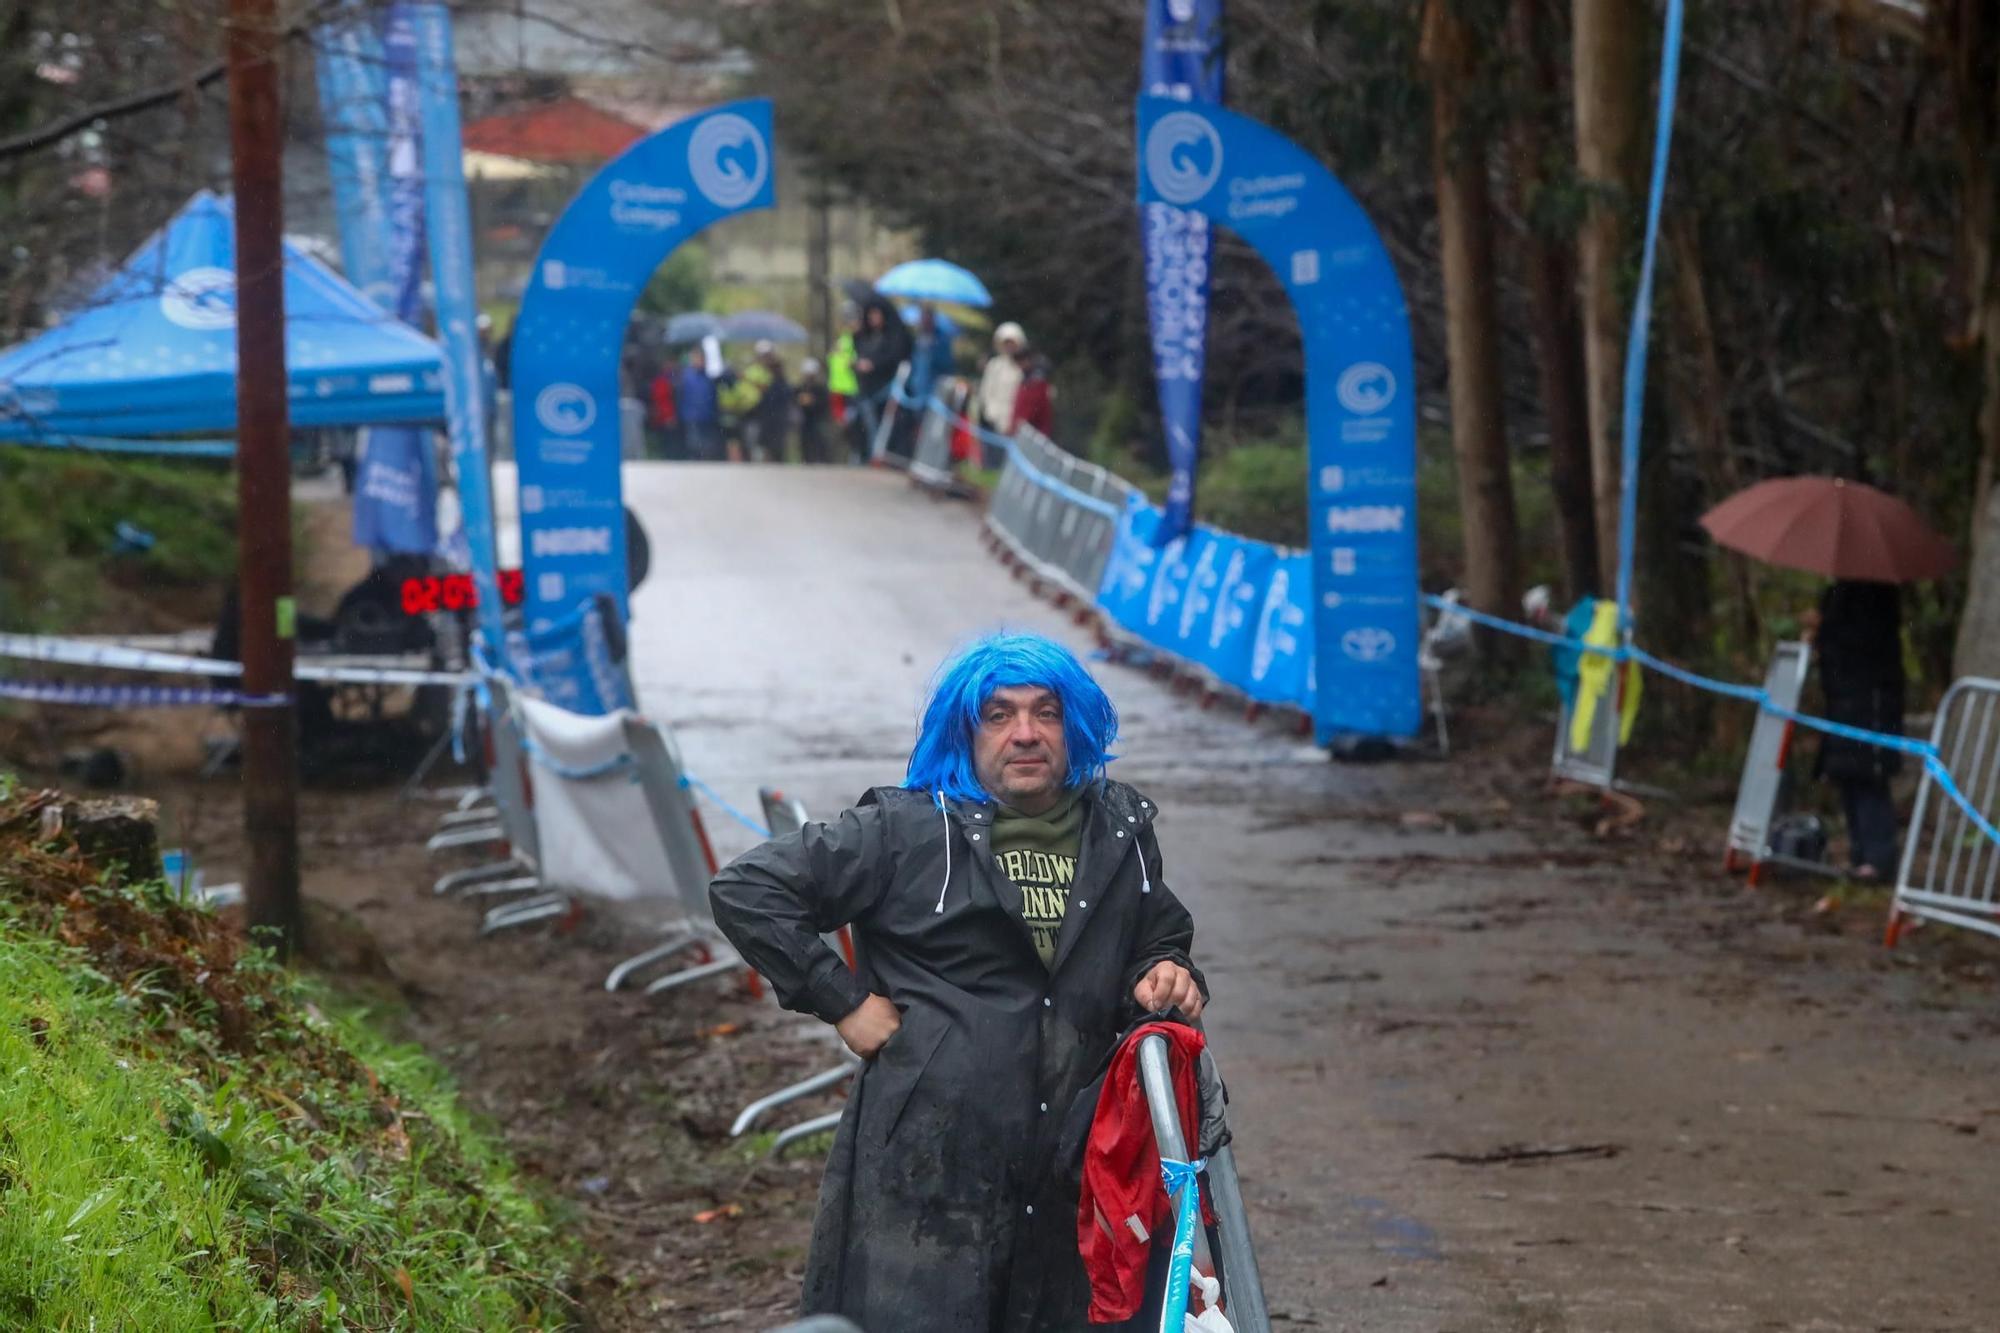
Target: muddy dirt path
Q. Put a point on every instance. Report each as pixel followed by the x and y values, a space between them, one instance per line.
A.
pixel 1487 1074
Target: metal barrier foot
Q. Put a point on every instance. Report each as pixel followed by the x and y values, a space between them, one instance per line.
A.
pixel 689 975
pixel 543 907
pixel 755 1111
pixel 804 1130
pixel 494 888
pixel 458 879
pixel 470 837
pixel 1892 933
pixel 616 977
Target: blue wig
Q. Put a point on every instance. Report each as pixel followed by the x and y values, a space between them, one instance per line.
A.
pixel 942 759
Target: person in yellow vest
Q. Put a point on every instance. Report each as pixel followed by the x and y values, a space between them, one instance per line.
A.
pixel 842 383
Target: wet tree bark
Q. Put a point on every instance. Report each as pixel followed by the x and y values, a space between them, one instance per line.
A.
pixel 1609 85
pixel 1700 401
pixel 1472 325
pixel 1551 279
pixel 1971 44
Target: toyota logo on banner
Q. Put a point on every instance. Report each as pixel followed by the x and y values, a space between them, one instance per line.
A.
pixel 566 409
pixel 1175 147
pixel 728 159
pixel 1368 644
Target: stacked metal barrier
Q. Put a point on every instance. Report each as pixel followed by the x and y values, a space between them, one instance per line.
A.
pixel 1057 513
pixel 1951 863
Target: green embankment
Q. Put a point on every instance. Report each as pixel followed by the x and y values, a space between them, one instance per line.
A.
pixel 192 1137
pixel 59 516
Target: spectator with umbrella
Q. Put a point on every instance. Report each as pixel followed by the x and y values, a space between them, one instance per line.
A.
pixel 1868 542
pixel 700 414
pixel 882 345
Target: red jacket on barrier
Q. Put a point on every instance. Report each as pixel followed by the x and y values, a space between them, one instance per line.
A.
pixel 1123 1204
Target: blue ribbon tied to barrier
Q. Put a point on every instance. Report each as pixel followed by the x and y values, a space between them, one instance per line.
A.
pixel 1180 1180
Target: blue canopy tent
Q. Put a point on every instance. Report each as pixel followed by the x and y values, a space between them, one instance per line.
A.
pixel 153 351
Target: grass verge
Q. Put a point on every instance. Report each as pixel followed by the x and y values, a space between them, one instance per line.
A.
pixel 193 1137
pixel 60 551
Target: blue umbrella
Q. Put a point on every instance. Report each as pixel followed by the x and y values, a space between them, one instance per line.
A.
pixel 934 280
pixel 945 323
pixel 749 326
pixel 692 328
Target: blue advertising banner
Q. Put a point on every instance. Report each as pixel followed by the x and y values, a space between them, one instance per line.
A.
pixel 395 488
pixel 353 103
pixel 1358 608
pixel 570 664
pixel 1234 606
pixel 450 234
pixel 1182 60
pixel 591 269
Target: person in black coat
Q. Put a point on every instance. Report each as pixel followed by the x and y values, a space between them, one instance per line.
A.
pixel 1860 646
pixel 1010 919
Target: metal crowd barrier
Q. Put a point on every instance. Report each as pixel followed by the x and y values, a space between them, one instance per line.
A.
pixel 787 814
pixel 1762 792
pixel 1057 514
pixel 1951 864
pixel 677 823
pixel 930 460
pixel 1242 1285
pixel 511 812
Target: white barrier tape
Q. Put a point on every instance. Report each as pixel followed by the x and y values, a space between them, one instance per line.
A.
pixel 82 652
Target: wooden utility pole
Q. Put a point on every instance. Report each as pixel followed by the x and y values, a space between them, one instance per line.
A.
pixel 263 475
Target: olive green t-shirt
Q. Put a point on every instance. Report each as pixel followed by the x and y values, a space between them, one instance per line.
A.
pixel 1038 852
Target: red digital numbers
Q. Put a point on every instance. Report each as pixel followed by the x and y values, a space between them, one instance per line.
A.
pixel 455 592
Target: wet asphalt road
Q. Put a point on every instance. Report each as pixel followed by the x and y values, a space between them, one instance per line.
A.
pixel 1785 1131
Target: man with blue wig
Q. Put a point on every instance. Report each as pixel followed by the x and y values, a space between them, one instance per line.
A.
pixel 1009 920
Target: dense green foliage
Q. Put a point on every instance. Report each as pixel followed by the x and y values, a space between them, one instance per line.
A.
pixel 59 514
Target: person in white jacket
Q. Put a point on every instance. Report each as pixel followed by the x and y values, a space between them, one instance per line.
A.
pixel 1001 379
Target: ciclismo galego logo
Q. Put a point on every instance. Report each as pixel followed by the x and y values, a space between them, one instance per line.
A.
pixel 566 409
pixel 728 159
pixel 201 298
pixel 1183 156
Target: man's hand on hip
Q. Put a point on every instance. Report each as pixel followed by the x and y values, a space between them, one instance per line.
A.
pixel 868 1029
pixel 1168 986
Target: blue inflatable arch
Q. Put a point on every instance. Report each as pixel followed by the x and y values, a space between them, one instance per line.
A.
pixel 568 337
pixel 1360 393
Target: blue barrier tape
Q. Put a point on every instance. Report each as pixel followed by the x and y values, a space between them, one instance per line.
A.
pixel 1642 312
pixel 689 780
pixel 1440 605
pixel 574 772
pixel 1934 765
pixel 1745 693
pixel 1179 1178
pixel 136 696
pixel 103 445
pixel 1751 694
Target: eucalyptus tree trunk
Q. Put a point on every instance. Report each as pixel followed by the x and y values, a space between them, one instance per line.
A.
pixel 1459 154
pixel 1970 32
pixel 1609 86
pixel 1550 263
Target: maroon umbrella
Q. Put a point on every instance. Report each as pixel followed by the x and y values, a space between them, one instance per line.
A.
pixel 1827 525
